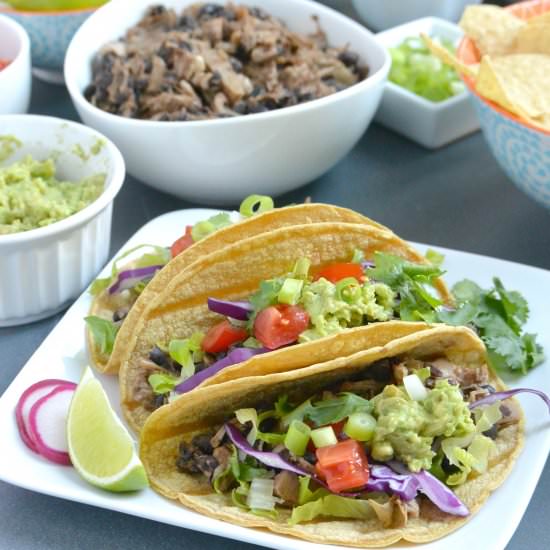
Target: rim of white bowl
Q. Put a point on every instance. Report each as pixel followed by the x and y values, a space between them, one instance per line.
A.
pixel 24 44
pixel 112 185
pixel 77 95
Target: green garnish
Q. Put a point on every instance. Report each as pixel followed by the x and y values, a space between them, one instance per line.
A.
pixel 290 291
pixel 415 68
pixel 255 204
pixel 498 315
pixel 360 426
pixel 204 228
pixel 187 352
pixel 103 332
pixel 162 383
pixel 297 437
pixel 409 280
pixel 323 437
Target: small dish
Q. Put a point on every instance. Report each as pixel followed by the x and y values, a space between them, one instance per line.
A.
pixel 221 161
pixel 44 269
pixel 521 150
pixel 431 124
pixel 384 14
pixel 50 33
pixel 15 79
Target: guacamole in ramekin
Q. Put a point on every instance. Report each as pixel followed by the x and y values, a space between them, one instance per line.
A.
pixel 31 195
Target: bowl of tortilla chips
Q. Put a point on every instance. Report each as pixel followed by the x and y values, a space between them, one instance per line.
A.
pixel 504 60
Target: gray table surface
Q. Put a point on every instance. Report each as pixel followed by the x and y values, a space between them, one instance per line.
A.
pixel 455 197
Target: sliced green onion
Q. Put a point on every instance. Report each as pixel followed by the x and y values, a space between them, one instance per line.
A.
pixel 255 204
pixel 360 426
pixel 415 388
pixel 301 268
pixel 290 291
pixel 323 437
pixel 297 437
pixel 297 414
pixel 348 289
pixel 424 373
pixel 260 495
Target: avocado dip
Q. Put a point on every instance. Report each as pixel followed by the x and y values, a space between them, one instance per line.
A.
pixel 31 196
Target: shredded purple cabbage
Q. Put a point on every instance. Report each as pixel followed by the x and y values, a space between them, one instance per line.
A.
pixel 238 355
pixel 270 459
pixel 443 497
pixel 367 264
pixel 385 480
pixel 500 395
pixel 131 277
pixel 235 310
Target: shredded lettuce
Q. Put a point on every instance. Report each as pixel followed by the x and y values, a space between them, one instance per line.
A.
pixel 204 228
pixel 187 352
pixel 159 256
pixel 162 383
pixel 331 506
pixel 305 494
pixel 251 415
pixel 103 332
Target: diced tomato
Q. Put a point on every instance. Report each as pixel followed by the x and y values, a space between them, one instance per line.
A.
pixel 276 326
pixel 337 272
pixel 344 465
pixel 221 336
pixel 183 242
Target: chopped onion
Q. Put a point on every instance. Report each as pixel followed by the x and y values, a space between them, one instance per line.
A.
pixel 235 356
pixel 235 310
pixel 500 395
pixel 415 388
pixel 260 495
pixel 131 277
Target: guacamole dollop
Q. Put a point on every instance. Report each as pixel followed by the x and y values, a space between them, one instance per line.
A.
pixel 332 311
pixel 31 196
pixel 406 428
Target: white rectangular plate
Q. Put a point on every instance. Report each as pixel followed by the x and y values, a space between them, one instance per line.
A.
pixel 62 355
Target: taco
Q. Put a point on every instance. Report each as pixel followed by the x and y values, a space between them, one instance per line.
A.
pixel 291 285
pixel 364 450
pixel 120 298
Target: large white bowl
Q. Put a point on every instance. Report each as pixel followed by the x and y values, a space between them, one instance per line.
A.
pixel 222 161
pixel 383 14
pixel 15 79
pixel 43 269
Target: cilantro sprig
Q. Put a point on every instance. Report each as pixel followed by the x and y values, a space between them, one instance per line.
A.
pixel 498 315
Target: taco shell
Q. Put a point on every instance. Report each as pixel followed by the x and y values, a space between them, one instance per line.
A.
pixel 103 305
pixel 207 408
pixel 234 273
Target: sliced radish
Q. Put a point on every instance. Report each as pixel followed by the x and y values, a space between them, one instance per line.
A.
pixel 48 424
pixel 28 398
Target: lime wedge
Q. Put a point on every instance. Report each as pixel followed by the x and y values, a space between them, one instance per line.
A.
pixel 101 449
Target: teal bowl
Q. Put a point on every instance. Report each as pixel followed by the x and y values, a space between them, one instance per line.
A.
pixel 50 34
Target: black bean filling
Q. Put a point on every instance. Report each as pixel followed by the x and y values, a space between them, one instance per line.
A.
pixel 214 61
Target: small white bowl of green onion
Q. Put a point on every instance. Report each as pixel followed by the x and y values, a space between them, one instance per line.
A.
pixel 424 99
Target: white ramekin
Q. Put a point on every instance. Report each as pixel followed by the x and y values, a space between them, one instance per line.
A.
pixel 42 270
pixel 15 79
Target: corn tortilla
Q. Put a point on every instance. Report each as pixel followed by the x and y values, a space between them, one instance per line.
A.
pixel 209 407
pixel 102 305
pixel 235 273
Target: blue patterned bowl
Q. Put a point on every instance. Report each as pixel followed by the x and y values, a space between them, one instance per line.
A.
pixel 522 150
pixel 50 33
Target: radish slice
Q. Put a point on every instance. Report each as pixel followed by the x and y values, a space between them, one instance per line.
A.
pixel 28 398
pixel 48 424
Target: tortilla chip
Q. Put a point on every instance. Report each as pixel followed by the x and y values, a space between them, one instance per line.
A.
pixel 448 58
pixel 206 408
pixel 102 305
pixel 533 38
pixel 234 273
pixel 492 28
pixel 520 83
